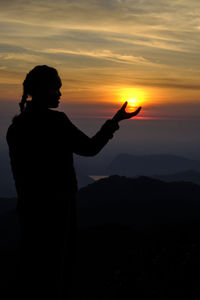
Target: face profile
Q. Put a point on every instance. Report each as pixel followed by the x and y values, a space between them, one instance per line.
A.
pixel 52 94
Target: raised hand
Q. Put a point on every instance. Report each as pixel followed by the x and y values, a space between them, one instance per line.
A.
pixel 123 115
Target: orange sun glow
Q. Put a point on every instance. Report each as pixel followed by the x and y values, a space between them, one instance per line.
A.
pixel 134 96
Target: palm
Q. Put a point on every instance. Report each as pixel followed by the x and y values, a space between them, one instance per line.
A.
pixel 123 115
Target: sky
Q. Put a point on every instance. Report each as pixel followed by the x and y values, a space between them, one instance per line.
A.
pixel 145 52
pixel 106 52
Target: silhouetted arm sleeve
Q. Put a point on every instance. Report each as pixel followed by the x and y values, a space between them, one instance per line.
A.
pixel 83 145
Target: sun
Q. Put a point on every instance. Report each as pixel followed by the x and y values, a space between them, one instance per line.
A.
pixel 133 103
pixel 134 96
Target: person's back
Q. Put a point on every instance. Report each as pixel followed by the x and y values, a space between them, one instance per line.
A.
pixel 41 157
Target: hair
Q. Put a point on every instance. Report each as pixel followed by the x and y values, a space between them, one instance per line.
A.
pixel 36 81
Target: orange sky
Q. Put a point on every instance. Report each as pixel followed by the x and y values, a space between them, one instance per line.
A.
pixel 106 52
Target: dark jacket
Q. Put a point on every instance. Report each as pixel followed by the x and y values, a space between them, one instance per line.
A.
pixel 41 146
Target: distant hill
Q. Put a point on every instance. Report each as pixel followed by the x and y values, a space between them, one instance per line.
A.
pixel 83 179
pixel 123 165
pixel 147 165
pixel 134 202
pixel 137 202
pixel 189 176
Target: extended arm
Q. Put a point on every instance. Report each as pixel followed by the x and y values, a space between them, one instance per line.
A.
pixel 86 146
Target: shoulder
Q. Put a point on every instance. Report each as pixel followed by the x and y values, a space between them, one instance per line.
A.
pixel 59 116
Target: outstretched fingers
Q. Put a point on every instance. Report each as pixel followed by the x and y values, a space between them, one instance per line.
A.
pixel 124 105
pixel 135 113
pixel 122 114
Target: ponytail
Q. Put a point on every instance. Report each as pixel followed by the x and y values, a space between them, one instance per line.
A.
pixel 22 103
pixel 24 99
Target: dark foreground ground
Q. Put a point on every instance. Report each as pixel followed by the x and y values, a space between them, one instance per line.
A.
pixel 158 263
pixel 117 262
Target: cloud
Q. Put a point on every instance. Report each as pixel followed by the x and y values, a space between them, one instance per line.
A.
pixel 157 21
pixel 104 54
pixel 111 14
pixel 101 42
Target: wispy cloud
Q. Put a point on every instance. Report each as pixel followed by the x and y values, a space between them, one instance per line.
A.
pixel 104 54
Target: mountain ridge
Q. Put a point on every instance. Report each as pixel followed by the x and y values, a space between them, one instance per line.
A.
pixel 137 201
pixel 148 165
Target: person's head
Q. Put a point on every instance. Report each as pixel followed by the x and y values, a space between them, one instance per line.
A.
pixel 43 84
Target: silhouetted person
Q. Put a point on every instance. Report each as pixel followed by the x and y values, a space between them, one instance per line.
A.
pixel 41 146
